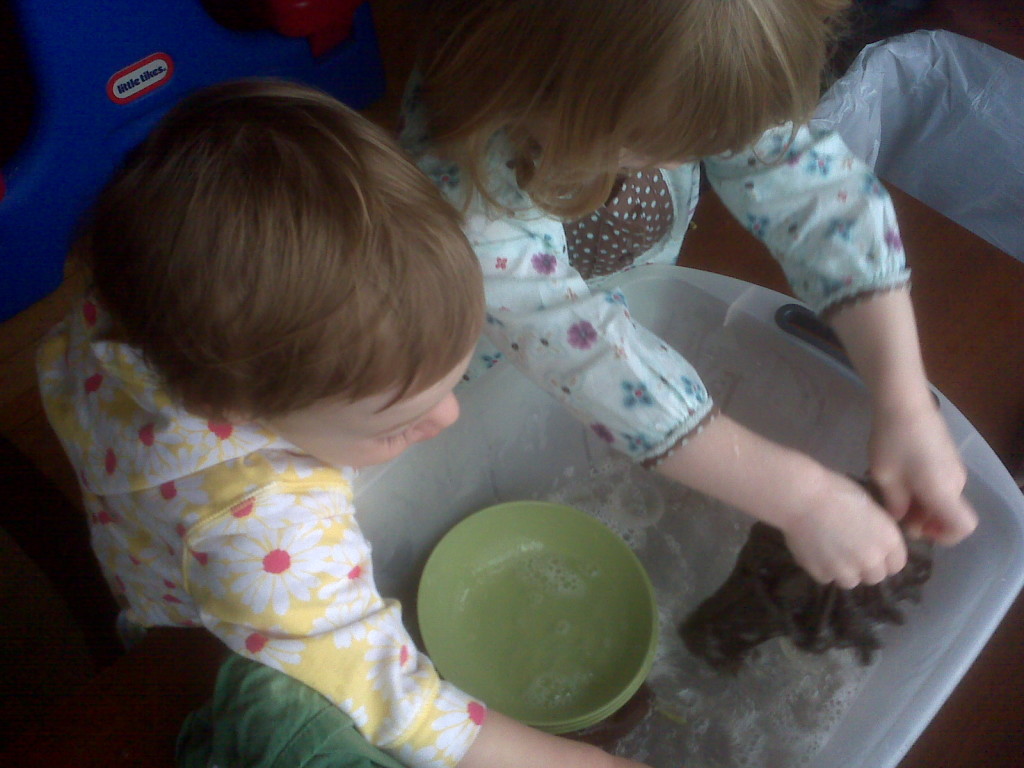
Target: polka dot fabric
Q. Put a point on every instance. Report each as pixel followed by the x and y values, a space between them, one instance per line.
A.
pixel 638 215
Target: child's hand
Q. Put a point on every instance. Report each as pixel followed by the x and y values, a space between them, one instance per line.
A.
pixel 913 459
pixel 917 468
pixel 843 536
pixel 833 527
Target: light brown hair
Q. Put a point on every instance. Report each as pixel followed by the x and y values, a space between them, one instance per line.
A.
pixel 267 247
pixel 572 83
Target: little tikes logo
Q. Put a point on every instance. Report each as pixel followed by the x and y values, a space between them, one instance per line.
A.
pixel 140 78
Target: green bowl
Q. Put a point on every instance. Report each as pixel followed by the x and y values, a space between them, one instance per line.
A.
pixel 540 611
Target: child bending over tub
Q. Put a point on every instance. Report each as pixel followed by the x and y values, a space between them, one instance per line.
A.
pixel 278 297
pixel 571 134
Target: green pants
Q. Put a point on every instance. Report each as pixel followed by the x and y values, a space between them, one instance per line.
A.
pixel 261 718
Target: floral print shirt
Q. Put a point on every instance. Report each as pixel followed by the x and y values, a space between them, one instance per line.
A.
pixel 203 523
pixel 821 212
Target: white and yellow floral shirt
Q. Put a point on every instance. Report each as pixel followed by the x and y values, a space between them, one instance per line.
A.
pixel 230 527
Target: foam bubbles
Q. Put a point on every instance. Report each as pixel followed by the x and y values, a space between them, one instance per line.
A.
pixel 555 690
pixel 553 574
pixel 780 708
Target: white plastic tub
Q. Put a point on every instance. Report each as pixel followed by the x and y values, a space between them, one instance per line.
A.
pixel 787 708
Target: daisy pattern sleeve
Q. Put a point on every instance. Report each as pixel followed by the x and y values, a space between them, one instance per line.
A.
pixel 284 577
pixel 822 213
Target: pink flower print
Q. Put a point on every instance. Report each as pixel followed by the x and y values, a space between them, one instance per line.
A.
pixel 277 561
pixel 501 263
pixel 603 432
pixel 255 642
pixel 893 239
pixel 544 263
pixel 243 509
pixel 477 712
pixel 274 652
pixel 207 442
pixel 221 429
pixel 383 654
pixel 147 435
pixel 104 517
pixel 159 453
pixel 202 558
pixel 110 461
pixel 272 567
pixel 458 722
pixel 582 335
pixel 350 593
pixel 178 500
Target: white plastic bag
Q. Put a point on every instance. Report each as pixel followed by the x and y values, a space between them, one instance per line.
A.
pixel 941 116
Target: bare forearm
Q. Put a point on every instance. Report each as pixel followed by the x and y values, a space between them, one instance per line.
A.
pixel 880 336
pixel 764 479
pixel 912 455
pixel 832 526
pixel 505 743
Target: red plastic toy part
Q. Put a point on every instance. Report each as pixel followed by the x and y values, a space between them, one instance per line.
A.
pixel 325 22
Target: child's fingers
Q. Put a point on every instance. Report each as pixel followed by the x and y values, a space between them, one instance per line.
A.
pixel 896 560
pixel 952 523
pixel 896 497
pixel 846 580
pixel 875 574
pixel 941 512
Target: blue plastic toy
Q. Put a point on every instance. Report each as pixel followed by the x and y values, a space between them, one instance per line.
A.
pixel 104 74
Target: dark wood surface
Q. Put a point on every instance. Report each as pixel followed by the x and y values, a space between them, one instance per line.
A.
pixel 130 714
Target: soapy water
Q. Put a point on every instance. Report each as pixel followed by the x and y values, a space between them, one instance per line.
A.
pixel 782 705
pixel 555 690
pixel 553 574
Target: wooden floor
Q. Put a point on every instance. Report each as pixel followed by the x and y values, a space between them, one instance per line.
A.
pixel 970 302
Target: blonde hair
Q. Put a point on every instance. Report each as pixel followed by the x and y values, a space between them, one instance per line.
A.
pixel 267 247
pixel 574 83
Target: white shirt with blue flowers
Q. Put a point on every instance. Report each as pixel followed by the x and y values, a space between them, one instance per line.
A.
pixel 821 212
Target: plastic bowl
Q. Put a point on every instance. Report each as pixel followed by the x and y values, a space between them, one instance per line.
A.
pixel 540 611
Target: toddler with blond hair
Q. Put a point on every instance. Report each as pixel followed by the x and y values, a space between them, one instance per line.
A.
pixel 573 134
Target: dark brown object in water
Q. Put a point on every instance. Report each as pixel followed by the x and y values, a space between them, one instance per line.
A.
pixel 768 595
